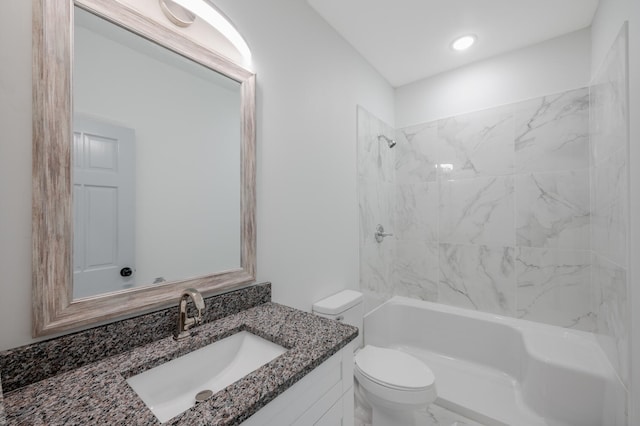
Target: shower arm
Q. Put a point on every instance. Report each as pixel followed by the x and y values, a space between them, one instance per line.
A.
pixel 390 142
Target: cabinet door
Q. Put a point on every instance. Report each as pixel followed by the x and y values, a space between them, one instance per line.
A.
pixel 304 395
pixel 333 417
pixel 322 407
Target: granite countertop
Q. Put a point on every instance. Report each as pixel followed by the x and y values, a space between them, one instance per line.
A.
pixel 98 393
pixel 3 419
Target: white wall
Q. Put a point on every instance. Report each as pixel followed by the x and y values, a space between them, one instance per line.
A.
pixel 549 67
pixel 15 174
pixel 187 129
pixel 606 24
pixel 608 19
pixel 309 83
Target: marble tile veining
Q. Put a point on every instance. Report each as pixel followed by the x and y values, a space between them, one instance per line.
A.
pixel 477 211
pixel 416 212
pixel 376 267
pixel 611 301
pixel 552 210
pixel 610 206
pixel 610 203
pixel 476 144
pixel 376 161
pixel 434 415
pixel 552 132
pixel 3 419
pixel 554 287
pixel 415 271
pixel 98 393
pixel 513 182
pixel 375 205
pixel 373 299
pixel 416 154
pixel 478 277
pixel 609 103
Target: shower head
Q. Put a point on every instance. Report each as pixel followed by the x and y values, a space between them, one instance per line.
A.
pixel 390 142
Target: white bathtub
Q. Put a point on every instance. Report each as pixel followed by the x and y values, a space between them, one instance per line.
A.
pixel 503 371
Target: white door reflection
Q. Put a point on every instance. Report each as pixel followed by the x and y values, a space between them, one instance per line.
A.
pixel 187 180
pixel 104 207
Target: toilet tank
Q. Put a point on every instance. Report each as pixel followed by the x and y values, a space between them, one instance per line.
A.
pixel 346 306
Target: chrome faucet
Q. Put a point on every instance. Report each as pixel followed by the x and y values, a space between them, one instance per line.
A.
pixel 184 321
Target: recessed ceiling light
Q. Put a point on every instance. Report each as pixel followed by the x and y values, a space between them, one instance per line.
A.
pixel 464 42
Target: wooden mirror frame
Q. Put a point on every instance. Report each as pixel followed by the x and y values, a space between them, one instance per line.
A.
pixel 53 307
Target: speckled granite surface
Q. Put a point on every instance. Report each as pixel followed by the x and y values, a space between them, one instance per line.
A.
pixel 29 364
pixel 98 393
pixel 3 420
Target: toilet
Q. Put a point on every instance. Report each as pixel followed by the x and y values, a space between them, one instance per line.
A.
pixel 395 384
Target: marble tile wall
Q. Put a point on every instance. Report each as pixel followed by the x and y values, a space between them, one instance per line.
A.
pixel 513 205
pixel 490 210
pixel 609 205
pixel 376 203
pixel 520 210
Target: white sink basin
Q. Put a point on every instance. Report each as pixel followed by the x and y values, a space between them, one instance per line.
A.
pixel 171 388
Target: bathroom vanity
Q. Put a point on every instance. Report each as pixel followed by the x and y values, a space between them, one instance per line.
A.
pixel 310 383
pixel 81 281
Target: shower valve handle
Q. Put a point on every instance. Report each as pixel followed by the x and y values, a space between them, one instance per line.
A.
pixel 380 234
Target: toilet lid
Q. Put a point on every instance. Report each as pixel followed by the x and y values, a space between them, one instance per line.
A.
pixel 393 368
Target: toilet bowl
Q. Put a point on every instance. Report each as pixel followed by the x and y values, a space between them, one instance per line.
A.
pixel 393 383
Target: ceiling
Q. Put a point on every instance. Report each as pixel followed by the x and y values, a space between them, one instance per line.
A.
pixel 408 40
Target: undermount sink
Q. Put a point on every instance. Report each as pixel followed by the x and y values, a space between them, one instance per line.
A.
pixel 171 388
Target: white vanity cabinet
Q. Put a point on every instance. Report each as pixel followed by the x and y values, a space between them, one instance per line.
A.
pixel 322 397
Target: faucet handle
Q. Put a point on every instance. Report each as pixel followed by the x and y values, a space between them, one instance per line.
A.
pixel 184 321
pixel 380 234
pixel 195 295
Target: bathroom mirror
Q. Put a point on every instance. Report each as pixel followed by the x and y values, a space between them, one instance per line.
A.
pixel 141 188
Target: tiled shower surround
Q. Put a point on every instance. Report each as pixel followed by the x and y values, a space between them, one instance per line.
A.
pixel 609 204
pixel 510 210
pixel 490 211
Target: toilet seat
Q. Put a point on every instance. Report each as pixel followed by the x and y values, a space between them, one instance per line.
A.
pixel 393 369
pixel 392 384
pixel 394 379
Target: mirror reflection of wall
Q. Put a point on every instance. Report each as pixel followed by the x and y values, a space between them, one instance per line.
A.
pixel 186 120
